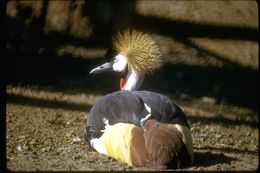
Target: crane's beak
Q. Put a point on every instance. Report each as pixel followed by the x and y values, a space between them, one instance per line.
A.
pixel 108 66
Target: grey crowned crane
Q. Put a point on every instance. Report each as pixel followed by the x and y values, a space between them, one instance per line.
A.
pixel 140 128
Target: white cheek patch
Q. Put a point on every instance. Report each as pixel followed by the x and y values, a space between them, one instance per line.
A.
pixel 120 63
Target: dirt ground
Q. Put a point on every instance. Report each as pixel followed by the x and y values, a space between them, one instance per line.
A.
pixel 45 132
pixel 49 93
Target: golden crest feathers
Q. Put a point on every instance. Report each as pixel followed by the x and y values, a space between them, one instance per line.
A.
pixel 141 51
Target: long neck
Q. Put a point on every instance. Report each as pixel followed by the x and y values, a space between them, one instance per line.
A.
pixel 133 81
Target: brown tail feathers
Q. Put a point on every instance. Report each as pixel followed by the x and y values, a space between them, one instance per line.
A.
pixel 158 146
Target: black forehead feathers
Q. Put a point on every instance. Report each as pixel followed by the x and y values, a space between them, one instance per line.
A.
pixel 110 54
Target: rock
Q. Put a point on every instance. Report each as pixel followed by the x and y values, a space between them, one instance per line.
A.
pixel 76 140
pixel 46 149
pixel 219 136
pixel 204 136
pixel 19 148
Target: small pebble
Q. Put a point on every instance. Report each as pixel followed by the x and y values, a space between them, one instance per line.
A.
pixel 19 148
pixel 76 140
pixel 218 136
pixel 204 136
pixel 46 149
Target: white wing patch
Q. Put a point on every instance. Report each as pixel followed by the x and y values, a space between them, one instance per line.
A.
pixel 143 120
pixel 98 145
pixel 107 126
pixel 105 120
pixel 147 108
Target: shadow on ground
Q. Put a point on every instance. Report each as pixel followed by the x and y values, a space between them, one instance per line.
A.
pixel 44 103
pixel 223 121
pixel 234 85
pixel 206 159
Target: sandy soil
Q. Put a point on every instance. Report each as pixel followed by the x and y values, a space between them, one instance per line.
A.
pixel 45 131
pixel 214 79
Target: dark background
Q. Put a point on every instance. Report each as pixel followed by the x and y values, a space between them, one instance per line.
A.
pixel 38 30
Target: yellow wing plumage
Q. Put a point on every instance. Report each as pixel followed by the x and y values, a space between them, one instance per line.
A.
pixel 117 140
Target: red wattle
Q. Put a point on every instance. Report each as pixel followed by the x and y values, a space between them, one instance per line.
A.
pixel 122 83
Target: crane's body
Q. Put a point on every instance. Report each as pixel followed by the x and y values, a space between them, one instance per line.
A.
pixel 121 113
pixel 139 128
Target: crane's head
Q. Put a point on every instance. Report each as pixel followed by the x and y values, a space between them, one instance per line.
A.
pixel 135 54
